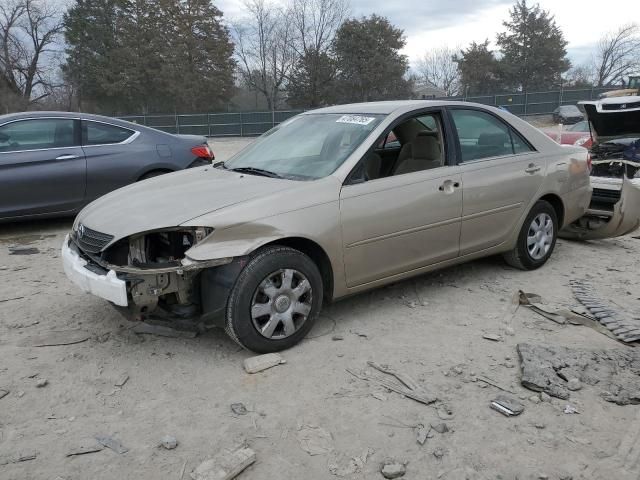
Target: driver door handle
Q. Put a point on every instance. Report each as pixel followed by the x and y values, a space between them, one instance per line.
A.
pixel 67 156
pixel 532 168
pixel 448 186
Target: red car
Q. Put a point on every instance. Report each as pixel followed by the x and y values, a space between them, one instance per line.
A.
pixel 576 134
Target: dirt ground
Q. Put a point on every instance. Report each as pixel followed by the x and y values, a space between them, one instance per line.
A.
pixel 430 328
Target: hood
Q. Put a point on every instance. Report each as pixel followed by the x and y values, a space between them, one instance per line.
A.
pixel 614 117
pixel 172 199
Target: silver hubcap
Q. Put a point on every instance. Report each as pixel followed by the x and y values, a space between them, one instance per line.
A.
pixel 540 236
pixel 281 304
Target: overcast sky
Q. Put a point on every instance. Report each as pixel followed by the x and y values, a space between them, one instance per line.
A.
pixel 429 23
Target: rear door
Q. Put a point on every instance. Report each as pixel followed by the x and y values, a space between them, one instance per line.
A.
pixel 42 167
pixel 113 159
pixel 501 175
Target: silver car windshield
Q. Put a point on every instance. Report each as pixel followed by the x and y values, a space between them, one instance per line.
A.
pixel 307 147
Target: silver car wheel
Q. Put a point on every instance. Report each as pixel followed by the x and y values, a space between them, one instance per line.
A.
pixel 540 236
pixel 281 304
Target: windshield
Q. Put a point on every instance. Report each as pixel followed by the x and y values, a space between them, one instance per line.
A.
pixel 308 146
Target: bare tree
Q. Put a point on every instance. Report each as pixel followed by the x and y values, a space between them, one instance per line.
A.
pixel 29 30
pixel 316 23
pixel 438 67
pixel 617 55
pixel 264 46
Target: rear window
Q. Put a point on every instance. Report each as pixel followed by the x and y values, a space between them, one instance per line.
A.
pixel 96 133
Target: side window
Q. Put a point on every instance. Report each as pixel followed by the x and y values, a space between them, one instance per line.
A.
pixel 519 144
pixel 36 134
pixel 95 133
pixel 481 135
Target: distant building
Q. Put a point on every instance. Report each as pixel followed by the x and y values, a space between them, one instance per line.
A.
pixel 427 92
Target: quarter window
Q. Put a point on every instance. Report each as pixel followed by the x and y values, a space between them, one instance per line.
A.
pixel 36 134
pixel 482 135
pixel 95 133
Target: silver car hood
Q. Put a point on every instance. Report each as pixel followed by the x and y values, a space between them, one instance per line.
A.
pixel 172 199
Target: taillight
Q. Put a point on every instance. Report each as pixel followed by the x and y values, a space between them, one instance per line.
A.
pixel 203 151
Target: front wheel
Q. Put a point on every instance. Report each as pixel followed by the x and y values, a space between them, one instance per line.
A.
pixel 537 238
pixel 275 300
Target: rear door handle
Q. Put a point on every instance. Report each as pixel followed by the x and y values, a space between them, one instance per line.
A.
pixel 67 156
pixel 532 168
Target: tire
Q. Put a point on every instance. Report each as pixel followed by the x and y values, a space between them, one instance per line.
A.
pixel 270 307
pixel 153 173
pixel 529 257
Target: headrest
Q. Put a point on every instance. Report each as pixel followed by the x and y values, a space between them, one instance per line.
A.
pixel 426 147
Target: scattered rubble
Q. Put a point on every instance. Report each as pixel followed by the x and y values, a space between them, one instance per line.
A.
pixel 314 440
pixel 553 370
pixel 404 384
pixel 507 406
pixel 262 362
pixel 111 443
pixel 169 442
pixel 343 466
pixel 393 470
pixel 239 409
pixel 226 465
pixel 122 380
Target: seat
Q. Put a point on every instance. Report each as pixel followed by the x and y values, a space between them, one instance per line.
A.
pixel 63 136
pixel 421 154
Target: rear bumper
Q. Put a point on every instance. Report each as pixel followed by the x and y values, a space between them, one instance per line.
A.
pixel 107 285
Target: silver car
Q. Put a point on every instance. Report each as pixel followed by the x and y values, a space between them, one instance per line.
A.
pixel 328 204
pixel 54 163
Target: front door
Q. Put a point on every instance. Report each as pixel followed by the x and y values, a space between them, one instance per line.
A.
pixel 42 167
pixel 409 216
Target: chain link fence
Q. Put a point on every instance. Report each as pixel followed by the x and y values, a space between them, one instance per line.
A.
pixel 246 124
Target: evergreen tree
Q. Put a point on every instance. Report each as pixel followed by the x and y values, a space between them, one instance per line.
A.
pixel 479 69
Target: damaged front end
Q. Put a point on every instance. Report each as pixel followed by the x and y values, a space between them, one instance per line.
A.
pixel 615 203
pixel 152 267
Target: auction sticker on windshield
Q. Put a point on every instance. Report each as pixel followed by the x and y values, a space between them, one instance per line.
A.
pixel 356 119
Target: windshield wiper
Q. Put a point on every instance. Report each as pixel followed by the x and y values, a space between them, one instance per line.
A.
pixel 257 171
pixel 219 165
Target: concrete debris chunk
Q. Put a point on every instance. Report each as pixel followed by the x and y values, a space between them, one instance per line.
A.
pixel 169 442
pixel 43 382
pixel 314 440
pixel 570 409
pixel 111 443
pixel 393 470
pixel 492 336
pixel 422 434
pixel 556 371
pixel 507 406
pixel 239 409
pixel 262 362
pixel 440 427
pixel 122 380
pixel 226 465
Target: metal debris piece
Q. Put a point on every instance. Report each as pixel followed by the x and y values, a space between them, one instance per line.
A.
pixel 314 440
pixel 624 327
pixel 122 380
pixel 440 428
pixel 239 408
pixel 422 433
pixel 262 362
pixel 163 331
pixel 3 393
pixel 111 443
pixel 55 339
pixel 23 251
pixel 84 450
pixel 226 465
pixel 3 300
pixel 25 456
pixel 507 406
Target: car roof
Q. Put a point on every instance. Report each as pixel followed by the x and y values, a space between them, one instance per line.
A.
pixel 85 116
pixel 392 106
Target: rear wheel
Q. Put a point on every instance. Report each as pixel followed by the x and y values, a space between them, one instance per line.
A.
pixel 537 238
pixel 275 300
